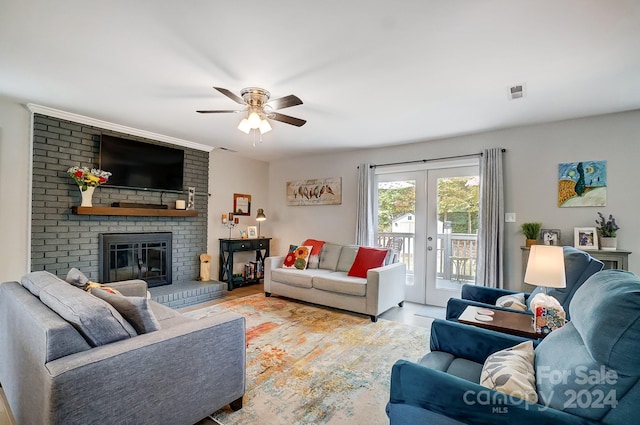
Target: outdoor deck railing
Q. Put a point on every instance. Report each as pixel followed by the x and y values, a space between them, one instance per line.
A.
pixel 456 253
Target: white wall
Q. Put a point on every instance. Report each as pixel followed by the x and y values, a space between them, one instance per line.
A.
pixel 531 164
pixel 230 173
pixel 531 169
pixel 14 188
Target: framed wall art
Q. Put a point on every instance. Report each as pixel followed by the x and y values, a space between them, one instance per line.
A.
pixel 585 238
pixel 315 192
pixel 252 232
pixel 582 184
pixel 241 204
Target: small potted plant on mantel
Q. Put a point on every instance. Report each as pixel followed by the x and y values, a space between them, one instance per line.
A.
pixel 607 231
pixel 531 232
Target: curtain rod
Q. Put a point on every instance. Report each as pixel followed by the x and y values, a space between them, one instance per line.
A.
pixel 428 160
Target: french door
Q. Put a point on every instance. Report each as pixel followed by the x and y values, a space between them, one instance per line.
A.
pixel 430 217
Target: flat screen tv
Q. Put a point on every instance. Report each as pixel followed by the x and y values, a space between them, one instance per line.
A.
pixel 139 165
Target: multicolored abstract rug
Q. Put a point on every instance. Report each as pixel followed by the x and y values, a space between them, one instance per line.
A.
pixel 309 365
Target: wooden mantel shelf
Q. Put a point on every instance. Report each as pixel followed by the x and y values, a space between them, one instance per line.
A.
pixel 140 212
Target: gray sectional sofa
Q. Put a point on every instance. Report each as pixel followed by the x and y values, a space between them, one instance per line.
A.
pixel 330 285
pixel 68 357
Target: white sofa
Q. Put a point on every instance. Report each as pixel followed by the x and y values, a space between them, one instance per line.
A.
pixel 329 284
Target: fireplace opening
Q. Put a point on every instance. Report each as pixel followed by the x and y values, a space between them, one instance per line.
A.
pixel 145 256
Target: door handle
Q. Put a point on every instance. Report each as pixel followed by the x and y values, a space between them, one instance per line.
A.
pixel 429 238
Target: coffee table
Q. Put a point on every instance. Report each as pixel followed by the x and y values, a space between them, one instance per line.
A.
pixel 503 321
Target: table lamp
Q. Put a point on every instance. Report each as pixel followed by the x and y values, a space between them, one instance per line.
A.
pixel 260 217
pixel 546 267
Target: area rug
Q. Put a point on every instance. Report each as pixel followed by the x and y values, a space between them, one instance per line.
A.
pixel 309 365
pixel 432 311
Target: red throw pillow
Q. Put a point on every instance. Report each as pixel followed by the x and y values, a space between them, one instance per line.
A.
pixel 367 258
pixel 315 244
pixel 316 248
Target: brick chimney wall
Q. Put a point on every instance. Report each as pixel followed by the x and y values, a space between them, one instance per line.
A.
pixel 61 240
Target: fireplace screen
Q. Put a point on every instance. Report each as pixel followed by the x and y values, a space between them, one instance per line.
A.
pixel 145 256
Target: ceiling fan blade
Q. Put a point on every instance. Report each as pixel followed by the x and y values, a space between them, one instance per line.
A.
pixel 227 111
pixel 287 119
pixel 230 95
pixel 284 102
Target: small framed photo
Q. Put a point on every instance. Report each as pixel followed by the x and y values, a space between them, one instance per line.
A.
pixel 252 232
pixel 550 236
pixel 585 238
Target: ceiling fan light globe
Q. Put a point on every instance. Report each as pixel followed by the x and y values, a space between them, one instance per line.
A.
pixel 244 126
pixel 254 120
pixel 265 127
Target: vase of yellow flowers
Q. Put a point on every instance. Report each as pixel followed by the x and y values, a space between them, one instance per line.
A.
pixel 87 180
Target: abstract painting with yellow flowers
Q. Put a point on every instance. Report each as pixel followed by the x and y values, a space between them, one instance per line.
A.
pixel 582 184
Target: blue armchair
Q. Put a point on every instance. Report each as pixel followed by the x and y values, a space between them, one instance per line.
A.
pixel 598 383
pixel 579 266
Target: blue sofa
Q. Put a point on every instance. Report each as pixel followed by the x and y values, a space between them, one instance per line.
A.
pixel 579 266
pixel 587 372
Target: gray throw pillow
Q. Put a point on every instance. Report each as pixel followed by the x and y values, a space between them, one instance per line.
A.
pixel 329 256
pixel 135 310
pixel 97 321
pixel 77 278
pixel 347 257
pixel 37 281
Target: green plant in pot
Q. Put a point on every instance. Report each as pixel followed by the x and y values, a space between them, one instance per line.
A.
pixel 607 230
pixel 531 232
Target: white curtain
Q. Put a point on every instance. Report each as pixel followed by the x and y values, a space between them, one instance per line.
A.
pixel 490 267
pixel 365 230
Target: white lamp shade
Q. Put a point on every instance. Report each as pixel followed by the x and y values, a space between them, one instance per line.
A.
pixel 244 126
pixel 265 127
pixel 254 120
pixel 546 267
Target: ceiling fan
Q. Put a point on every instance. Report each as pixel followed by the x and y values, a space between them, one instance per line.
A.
pixel 259 109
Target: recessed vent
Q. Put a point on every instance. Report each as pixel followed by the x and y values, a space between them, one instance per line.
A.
pixel 222 148
pixel 516 92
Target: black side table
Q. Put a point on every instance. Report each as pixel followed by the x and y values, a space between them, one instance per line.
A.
pixel 228 247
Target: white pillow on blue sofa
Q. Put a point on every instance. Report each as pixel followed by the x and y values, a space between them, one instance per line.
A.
pixel 512 301
pixel 511 371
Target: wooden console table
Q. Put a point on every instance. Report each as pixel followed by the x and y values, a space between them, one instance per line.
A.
pixel 228 247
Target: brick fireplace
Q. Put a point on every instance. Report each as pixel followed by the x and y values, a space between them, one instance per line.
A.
pixel 61 240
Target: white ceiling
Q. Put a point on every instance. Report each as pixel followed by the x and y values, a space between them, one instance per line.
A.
pixel 370 73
